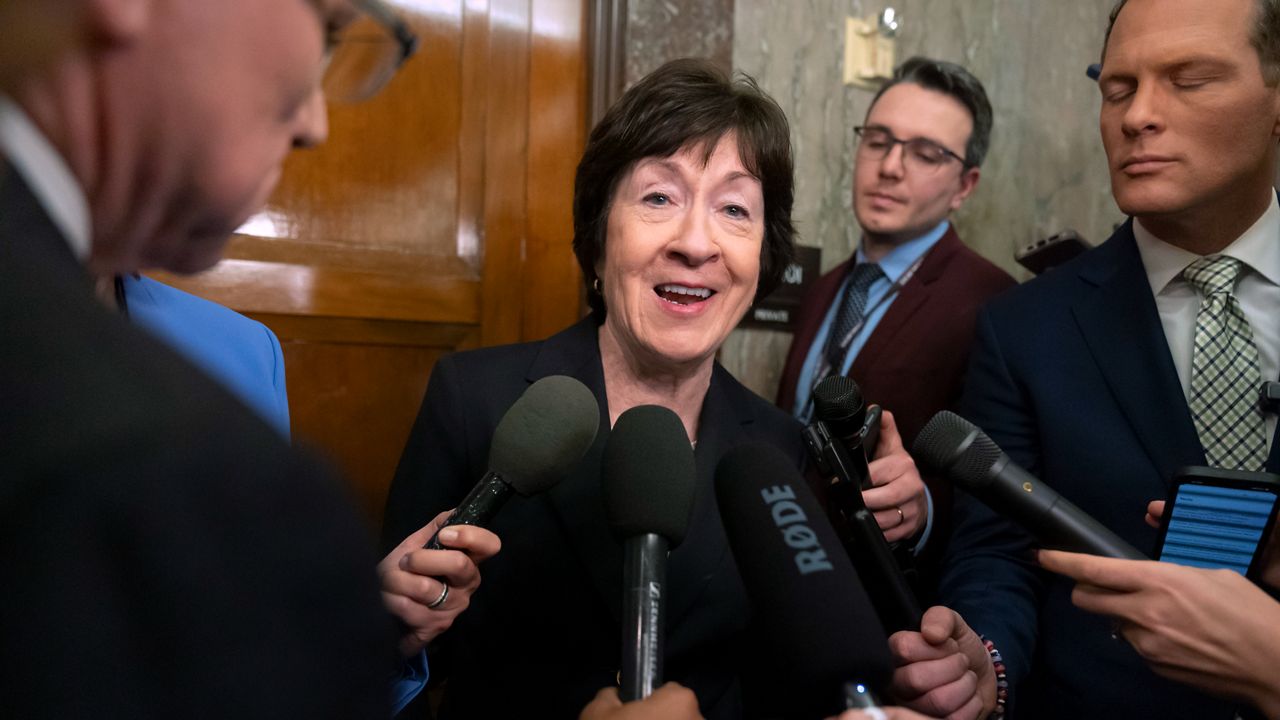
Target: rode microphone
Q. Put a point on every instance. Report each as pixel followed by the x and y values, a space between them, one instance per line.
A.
pixel 807 601
pixel 648 486
pixel 544 434
pixel 837 451
pixel 960 450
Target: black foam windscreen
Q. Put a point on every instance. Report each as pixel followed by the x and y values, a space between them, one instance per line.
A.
pixel 544 434
pixel 649 475
pixel 837 401
pixel 807 598
pixel 951 444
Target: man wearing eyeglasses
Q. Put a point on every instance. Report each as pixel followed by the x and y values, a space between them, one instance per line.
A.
pixel 898 316
pixel 164 552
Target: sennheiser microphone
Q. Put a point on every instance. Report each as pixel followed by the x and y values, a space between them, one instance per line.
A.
pixel 959 449
pixel 807 601
pixel 648 485
pixel 544 434
pixel 837 451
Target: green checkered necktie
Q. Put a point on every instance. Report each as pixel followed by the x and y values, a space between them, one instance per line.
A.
pixel 1224 370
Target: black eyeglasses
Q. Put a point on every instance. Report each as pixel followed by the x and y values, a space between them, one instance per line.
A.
pixel 922 154
pixel 364 56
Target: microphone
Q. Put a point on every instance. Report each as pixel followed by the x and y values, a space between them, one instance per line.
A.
pixel 836 446
pixel 839 405
pixel 960 450
pixel 806 599
pixel 540 438
pixel 648 486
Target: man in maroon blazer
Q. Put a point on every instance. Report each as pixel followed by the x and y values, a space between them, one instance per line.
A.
pixel 898 316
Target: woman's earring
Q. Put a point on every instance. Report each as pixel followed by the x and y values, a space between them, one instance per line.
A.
pixel 595 285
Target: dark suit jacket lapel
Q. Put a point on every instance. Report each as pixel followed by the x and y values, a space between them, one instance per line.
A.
pixel 911 298
pixel 578 503
pixel 577 500
pixel 704 558
pixel 1122 330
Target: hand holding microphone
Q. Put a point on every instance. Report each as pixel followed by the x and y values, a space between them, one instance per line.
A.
pixel 835 443
pixel 944 670
pixel 891 486
pixel 427 589
pixel 897 496
pixel 427 581
pixel 544 434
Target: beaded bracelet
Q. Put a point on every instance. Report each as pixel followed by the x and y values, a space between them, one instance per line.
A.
pixel 1002 680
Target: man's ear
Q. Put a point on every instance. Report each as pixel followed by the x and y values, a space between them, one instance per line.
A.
pixel 968 183
pixel 1275 106
pixel 118 21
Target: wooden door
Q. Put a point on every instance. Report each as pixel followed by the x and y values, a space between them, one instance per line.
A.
pixel 436 218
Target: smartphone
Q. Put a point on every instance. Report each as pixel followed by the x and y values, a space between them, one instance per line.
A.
pixel 1047 253
pixel 1219 518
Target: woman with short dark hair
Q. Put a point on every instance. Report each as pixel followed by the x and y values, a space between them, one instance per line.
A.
pixel 682 218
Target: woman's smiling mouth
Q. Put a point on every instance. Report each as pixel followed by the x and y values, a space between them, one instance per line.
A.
pixel 683 294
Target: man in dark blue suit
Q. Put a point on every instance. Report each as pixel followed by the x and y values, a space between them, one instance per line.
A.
pixel 1106 375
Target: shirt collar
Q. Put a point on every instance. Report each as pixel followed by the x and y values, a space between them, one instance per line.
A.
pixel 901 257
pixel 33 157
pixel 1258 248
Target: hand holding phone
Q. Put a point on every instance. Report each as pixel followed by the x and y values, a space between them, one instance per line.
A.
pixel 1219 518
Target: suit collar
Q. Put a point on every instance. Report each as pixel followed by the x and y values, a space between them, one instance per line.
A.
pixel 939 256
pixel 911 298
pixel 899 259
pixel 47 176
pixel 1122 330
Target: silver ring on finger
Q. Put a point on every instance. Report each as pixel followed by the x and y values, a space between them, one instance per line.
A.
pixel 444 593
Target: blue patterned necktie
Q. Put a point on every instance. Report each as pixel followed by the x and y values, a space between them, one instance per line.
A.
pixel 1225 373
pixel 850 313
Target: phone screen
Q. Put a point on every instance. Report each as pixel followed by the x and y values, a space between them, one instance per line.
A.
pixel 1216 527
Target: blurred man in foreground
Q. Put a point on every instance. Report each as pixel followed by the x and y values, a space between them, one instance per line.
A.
pixel 165 553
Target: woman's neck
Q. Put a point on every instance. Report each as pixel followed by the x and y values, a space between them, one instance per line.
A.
pixel 631 380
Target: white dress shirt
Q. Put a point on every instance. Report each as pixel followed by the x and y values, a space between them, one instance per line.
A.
pixel 1257 289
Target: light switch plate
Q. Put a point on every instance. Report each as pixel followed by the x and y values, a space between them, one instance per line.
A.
pixel 869 57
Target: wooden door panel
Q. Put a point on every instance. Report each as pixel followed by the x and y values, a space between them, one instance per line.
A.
pixel 358 402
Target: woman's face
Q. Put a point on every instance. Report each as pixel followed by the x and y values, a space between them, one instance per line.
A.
pixel 682 253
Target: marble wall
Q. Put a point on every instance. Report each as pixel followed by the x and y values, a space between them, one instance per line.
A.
pixel 1045 172
pixel 662 30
